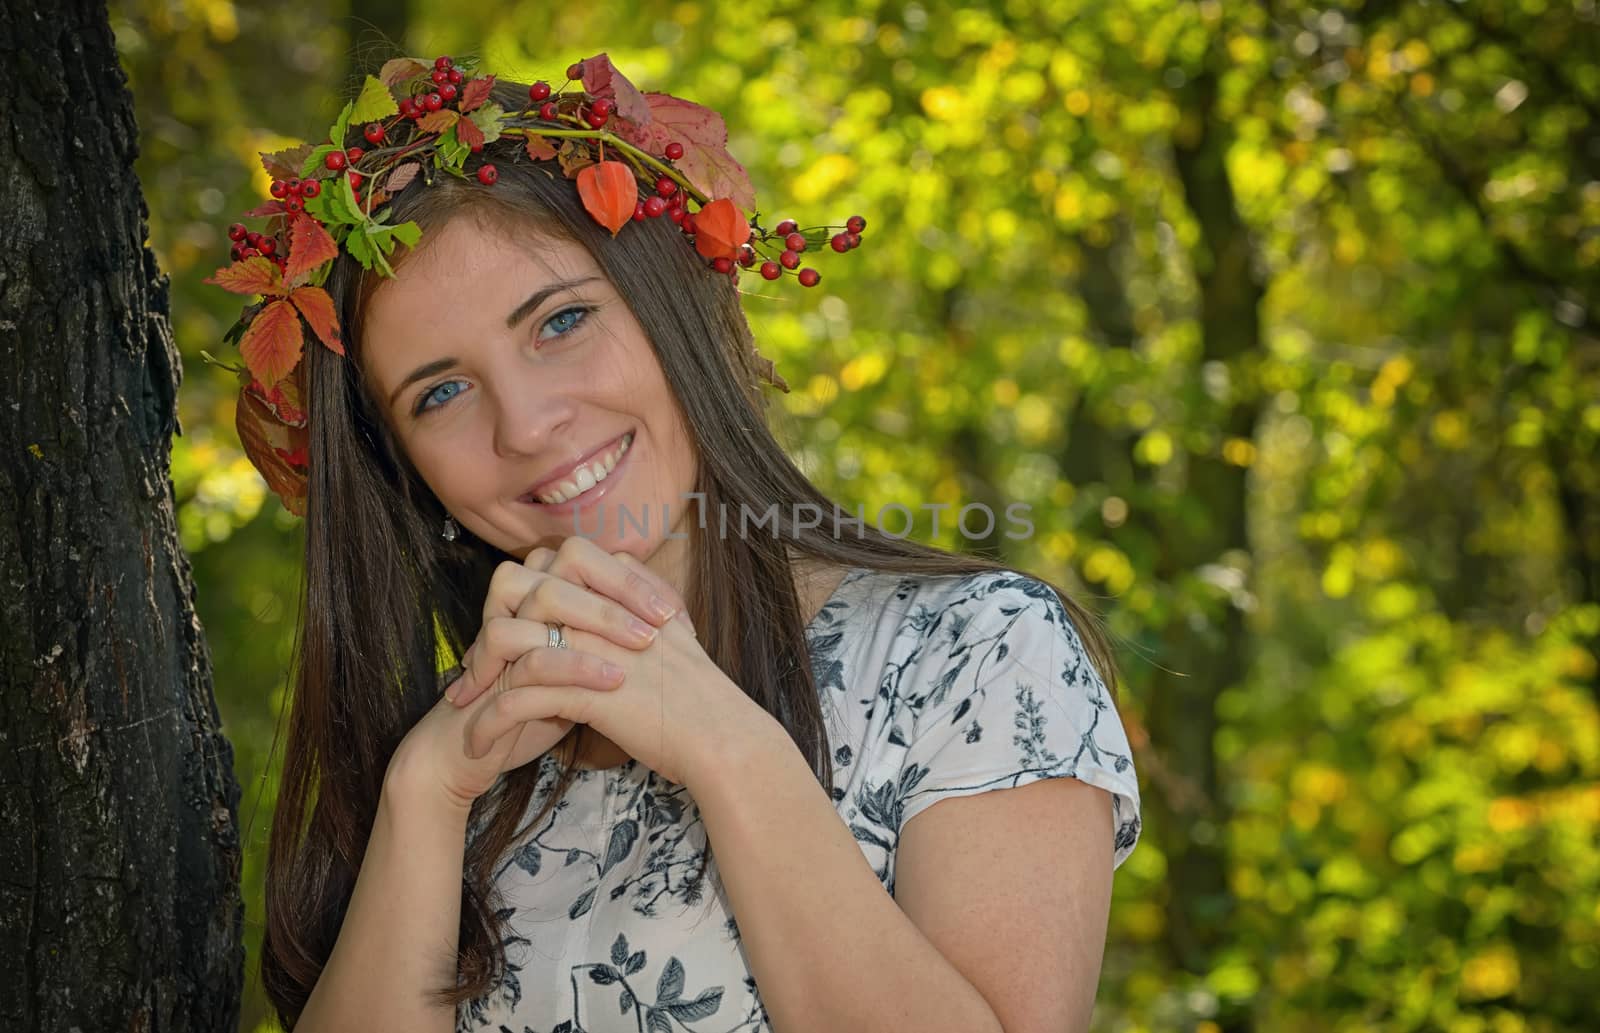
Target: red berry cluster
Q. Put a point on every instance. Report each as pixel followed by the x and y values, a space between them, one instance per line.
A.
pixel 338 161
pixel 667 200
pixel 851 237
pixel 447 80
pixel 596 114
pixel 776 251
pixel 295 192
pixel 795 241
pixel 247 243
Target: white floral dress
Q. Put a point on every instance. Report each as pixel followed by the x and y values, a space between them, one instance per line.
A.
pixel 934 686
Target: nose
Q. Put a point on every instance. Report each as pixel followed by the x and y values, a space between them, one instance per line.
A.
pixel 531 411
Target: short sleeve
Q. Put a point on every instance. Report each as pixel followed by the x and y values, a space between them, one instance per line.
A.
pixel 1007 696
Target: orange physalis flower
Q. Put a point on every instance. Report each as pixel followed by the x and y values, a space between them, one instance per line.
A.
pixel 719 229
pixel 609 191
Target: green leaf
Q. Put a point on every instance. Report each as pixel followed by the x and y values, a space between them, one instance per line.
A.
pixel 408 233
pixel 341 128
pixel 453 150
pixel 336 205
pixel 370 242
pixel 375 102
pixel 363 250
pixel 487 118
pixel 319 207
pixel 313 161
pixel 345 204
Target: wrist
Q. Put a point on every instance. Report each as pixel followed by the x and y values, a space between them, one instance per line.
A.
pixel 410 790
pixel 736 755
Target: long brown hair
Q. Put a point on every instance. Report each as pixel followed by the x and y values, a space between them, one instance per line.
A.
pixel 364 674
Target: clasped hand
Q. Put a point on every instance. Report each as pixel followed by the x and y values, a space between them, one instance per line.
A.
pixel 632 669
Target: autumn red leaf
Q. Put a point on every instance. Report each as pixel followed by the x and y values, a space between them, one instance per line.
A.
pixel 271 345
pixel 438 121
pixel 401 177
pixel 574 157
pixel 310 246
pixel 719 229
pixel 474 92
pixel 706 161
pixel 286 400
pixel 608 191
pixel 258 275
pixel 263 435
pixel 397 70
pixel 468 133
pixel 285 164
pixel 539 149
pixel 300 457
pixel 315 304
pixel 600 79
pixel 266 209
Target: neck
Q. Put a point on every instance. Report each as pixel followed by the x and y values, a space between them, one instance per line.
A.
pixel 671 560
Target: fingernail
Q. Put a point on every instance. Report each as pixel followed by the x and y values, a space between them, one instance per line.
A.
pixel 643 630
pixel 660 609
pixel 611 671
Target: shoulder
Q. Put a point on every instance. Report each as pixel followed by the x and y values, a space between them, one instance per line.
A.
pixel 1010 608
pixel 922 630
pixel 1005 693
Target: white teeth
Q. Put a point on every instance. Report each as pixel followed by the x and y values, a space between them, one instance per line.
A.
pixel 586 477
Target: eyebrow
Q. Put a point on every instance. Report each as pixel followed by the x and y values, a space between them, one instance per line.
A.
pixel 521 312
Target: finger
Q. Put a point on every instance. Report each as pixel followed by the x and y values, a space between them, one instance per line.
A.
pixel 504 711
pixel 509 585
pixel 634 585
pixel 663 588
pixel 554 599
pixel 500 641
pixel 688 625
pixel 545 666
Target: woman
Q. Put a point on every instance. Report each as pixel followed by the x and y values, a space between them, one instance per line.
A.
pixel 684 776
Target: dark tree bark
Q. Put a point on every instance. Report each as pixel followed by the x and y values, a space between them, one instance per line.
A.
pixel 119 905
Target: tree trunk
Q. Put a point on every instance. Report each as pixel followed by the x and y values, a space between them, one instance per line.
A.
pixel 120 907
pixel 1182 713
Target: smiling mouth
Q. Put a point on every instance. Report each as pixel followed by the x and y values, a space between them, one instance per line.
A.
pixel 584 478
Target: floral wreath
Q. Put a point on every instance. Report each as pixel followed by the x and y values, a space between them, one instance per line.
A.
pixel 635 156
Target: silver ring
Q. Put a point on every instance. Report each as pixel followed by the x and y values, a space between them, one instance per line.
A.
pixel 557 641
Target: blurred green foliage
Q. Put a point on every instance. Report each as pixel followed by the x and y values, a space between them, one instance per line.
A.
pixel 1138 264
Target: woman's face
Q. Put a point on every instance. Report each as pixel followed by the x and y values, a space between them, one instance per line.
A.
pixel 527 395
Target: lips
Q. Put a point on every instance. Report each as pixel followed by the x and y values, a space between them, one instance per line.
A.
pixel 582 477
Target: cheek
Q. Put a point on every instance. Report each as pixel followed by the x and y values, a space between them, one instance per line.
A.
pixel 675 439
pixel 446 464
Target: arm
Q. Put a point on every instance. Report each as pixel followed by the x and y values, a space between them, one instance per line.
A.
pixel 1014 887
pixel 830 950
pixel 401 931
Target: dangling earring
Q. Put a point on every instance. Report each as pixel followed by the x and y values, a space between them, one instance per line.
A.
pixel 451 531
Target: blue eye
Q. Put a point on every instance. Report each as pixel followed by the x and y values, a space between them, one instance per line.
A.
pixel 422 403
pixel 560 324
pixel 567 319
